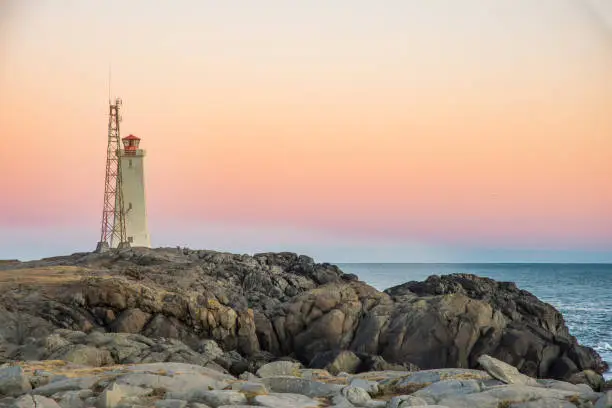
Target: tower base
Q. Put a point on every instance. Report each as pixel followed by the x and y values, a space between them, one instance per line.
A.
pixel 102 247
pixel 124 245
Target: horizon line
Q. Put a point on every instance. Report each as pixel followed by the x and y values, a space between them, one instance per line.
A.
pixel 476 263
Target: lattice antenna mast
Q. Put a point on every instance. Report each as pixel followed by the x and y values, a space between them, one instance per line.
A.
pixel 113 213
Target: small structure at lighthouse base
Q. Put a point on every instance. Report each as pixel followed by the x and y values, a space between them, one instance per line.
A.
pixel 102 247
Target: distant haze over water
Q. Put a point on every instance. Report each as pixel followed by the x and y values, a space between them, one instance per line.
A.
pixel 581 292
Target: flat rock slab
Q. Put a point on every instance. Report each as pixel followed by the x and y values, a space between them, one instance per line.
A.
pixel 562 385
pixel 178 383
pixel 478 400
pixel 294 385
pixel 432 376
pixel 544 403
pixel 178 368
pixel 380 375
pixel 214 398
pixel 35 401
pixel 170 403
pixel 406 401
pixel 521 393
pixel 446 388
pixel 233 406
pixel 517 394
pixel 504 372
pixel 286 401
pixel 71 384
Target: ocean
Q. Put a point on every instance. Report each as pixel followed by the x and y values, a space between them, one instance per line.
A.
pixel 581 292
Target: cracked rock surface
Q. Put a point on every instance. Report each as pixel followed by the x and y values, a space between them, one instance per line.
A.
pixel 181 385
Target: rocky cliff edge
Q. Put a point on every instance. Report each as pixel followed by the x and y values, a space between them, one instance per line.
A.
pixel 239 312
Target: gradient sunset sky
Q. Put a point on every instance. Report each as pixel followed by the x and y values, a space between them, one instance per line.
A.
pixel 397 130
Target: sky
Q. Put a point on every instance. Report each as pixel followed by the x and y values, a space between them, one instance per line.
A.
pixel 352 131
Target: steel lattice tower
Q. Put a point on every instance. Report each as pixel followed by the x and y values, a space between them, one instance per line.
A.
pixel 113 213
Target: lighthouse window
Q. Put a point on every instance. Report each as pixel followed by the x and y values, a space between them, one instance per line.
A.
pixel 130 163
pixel 130 239
pixel 129 206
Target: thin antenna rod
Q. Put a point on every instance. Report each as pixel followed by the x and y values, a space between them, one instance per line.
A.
pixel 109 83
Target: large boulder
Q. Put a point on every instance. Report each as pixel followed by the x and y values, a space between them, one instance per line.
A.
pixel 337 361
pixel 533 327
pixel 13 381
pixel 445 321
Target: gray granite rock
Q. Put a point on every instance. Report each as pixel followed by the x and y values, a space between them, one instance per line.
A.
pixel 302 386
pixel 72 399
pixel 217 398
pixel 251 389
pixel 445 388
pixel 356 396
pixel 371 387
pixel 431 376
pixel 111 396
pixel 605 401
pixel 70 384
pixel 522 393
pixel 277 368
pixel 403 401
pixel 340 401
pixel 504 372
pixel 170 403
pixel 478 400
pixel 34 401
pixel 544 403
pixel 13 381
pixel 247 376
pixel 286 400
pixel 179 386
pixel 222 406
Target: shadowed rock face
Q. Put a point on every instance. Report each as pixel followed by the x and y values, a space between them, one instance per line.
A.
pixel 286 305
pixel 535 338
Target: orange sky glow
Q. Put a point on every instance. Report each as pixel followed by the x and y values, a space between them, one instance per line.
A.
pixel 480 126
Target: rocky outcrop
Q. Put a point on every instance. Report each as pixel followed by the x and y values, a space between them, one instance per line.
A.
pixel 165 302
pixel 532 328
pixel 98 349
pixel 186 295
pixel 166 385
pixel 430 330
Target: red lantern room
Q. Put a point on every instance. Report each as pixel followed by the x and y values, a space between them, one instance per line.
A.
pixel 130 144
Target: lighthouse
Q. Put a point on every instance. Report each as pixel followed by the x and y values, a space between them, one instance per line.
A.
pixel 124 214
pixel 131 161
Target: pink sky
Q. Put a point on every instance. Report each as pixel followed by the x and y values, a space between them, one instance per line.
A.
pixel 432 130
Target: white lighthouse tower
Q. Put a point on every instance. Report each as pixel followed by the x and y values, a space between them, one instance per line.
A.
pixel 133 192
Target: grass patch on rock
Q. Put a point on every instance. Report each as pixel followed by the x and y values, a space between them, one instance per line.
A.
pixel 392 389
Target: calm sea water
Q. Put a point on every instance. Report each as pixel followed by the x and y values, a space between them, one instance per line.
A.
pixel 582 292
